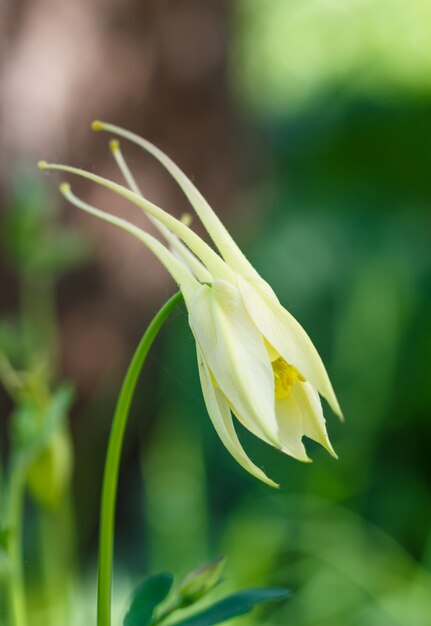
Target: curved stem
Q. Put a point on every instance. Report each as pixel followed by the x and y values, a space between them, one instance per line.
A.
pixel 112 463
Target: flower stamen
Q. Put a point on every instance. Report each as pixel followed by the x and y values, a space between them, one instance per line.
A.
pixel 285 377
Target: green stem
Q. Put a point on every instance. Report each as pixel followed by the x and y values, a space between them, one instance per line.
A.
pixel 112 463
pixel 17 606
pixel 39 318
pixel 57 567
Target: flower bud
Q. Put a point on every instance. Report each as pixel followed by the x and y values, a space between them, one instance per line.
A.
pixel 49 474
pixel 200 581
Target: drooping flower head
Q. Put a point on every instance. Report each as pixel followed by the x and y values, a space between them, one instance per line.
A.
pixel 255 360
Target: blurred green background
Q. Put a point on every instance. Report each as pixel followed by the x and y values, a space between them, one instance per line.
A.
pixel 307 125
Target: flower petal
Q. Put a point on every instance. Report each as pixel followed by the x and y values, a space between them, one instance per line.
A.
pixel 291 427
pixel 286 335
pixel 314 424
pixel 215 228
pixel 235 353
pixel 221 418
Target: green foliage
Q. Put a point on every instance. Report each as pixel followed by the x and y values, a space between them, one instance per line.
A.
pixel 146 598
pixel 39 460
pixel 197 584
pixel 292 54
pixel 345 570
pixel 34 242
pixel 237 604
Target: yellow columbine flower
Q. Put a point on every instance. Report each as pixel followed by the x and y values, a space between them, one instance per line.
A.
pixel 255 360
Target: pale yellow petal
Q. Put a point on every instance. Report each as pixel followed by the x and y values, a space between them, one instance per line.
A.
pixel 314 423
pixel 235 353
pixel 291 427
pixel 215 228
pixel 290 424
pixel 221 418
pixel 286 335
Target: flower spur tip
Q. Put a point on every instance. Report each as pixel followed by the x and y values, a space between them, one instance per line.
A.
pixel 42 165
pixel 65 188
pixel 186 218
pixel 96 125
pixel 114 145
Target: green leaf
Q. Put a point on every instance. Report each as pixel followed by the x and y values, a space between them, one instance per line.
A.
pixel 58 408
pixel 145 599
pixel 237 604
pixel 33 426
